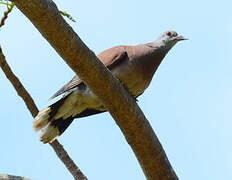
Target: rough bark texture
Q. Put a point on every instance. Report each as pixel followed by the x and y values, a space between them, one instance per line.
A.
pixel 22 92
pixel 135 127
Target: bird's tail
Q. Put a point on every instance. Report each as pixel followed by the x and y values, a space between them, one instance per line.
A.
pixel 51 127
pixel 55 128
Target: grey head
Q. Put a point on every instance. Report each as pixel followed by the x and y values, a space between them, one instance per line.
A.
pixel 167 40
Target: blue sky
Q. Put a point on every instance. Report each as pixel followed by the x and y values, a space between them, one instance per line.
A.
pixel 188 102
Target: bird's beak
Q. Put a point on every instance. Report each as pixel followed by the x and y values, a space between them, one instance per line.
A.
pixel 180 38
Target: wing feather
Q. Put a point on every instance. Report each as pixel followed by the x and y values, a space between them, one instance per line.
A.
pixel 109 58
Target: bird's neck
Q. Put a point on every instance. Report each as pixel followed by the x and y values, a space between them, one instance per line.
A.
pixel 159 46
pixel 159 50
pixel 151 62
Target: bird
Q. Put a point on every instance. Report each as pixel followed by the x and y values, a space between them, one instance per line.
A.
pixel 134 66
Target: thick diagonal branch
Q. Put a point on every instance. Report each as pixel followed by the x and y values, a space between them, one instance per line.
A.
pixel 131 120
pixel 22 92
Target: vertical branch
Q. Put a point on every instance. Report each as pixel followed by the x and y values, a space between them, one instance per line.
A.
pixel 22 92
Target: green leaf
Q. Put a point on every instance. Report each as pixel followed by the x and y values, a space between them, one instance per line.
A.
pixel 63 13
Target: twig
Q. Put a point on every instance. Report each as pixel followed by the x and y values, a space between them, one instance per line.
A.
pixel 5 15
pixel 65 158
pixel 22 92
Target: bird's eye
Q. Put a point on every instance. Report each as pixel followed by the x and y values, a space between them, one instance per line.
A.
pixel 168 33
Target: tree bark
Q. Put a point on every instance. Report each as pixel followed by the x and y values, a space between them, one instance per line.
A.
pixel 11 177
pixel 131 120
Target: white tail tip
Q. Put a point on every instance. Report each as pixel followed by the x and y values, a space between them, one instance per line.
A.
pixel 49 134
pixel 42 119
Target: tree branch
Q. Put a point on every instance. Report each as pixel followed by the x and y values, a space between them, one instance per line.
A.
pixel 131 120
pixel 71 166
pixel 11 177
pixel 5 14
pixel 22 92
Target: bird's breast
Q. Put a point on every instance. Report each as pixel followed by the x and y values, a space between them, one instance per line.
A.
pixel 133 77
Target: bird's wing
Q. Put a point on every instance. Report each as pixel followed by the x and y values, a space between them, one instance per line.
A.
pixel 109 58
pixel 71 84
pixel 88 112
pixel 113 56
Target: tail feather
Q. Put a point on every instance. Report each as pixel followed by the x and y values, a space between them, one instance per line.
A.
pixel 62 124
pixel 42 119
pixel 45 116
pixel 55 128
pixel 49 134
pixel 56 118
pixel 51 128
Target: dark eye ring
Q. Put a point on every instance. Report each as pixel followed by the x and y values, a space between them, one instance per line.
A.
pixel 168 33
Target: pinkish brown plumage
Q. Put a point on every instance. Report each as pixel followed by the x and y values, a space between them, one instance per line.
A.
pixel 134 66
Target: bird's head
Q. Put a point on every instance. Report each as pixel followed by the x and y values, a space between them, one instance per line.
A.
pixel 168 39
